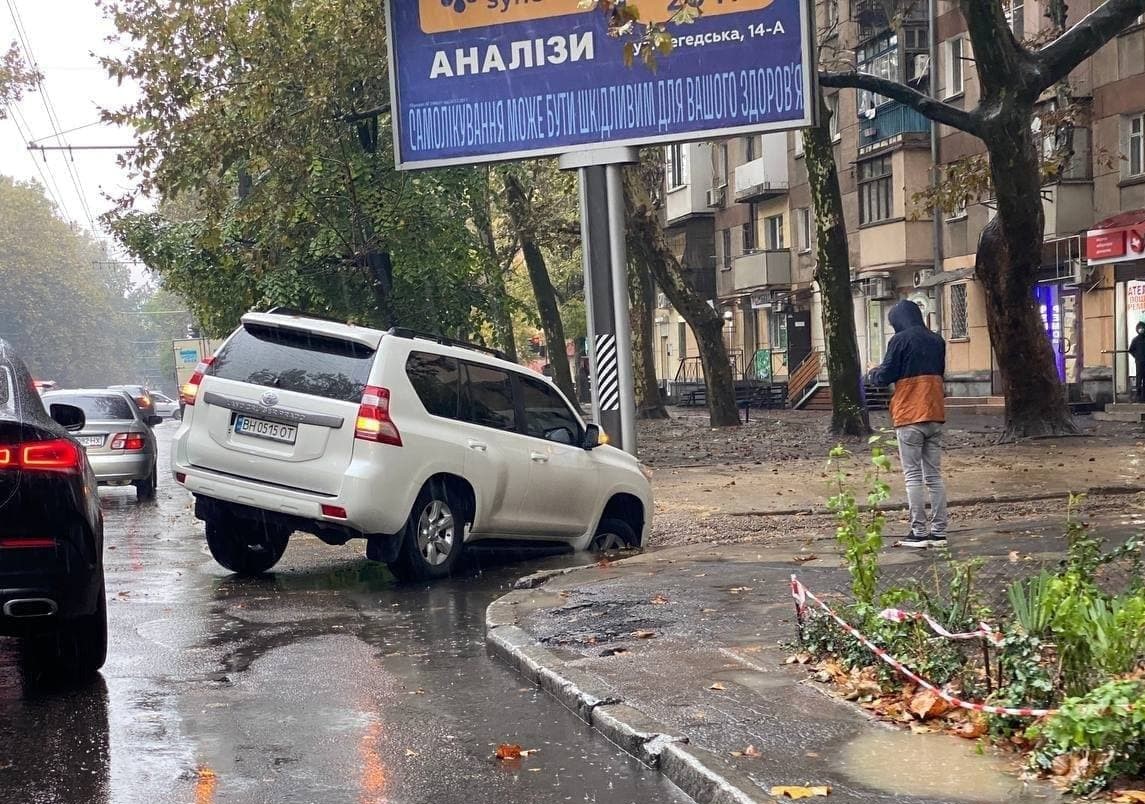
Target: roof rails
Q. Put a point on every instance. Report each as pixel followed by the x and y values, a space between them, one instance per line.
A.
pixel 303 314
pixel 404 332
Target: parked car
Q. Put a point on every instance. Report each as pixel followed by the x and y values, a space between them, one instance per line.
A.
pixel 141 397
pixel 166 407
pixel 117 438
pixel 418 444
pixel 51 531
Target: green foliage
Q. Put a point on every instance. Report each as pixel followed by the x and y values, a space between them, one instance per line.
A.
pixel 63 298
pixel 16 77
pixel 1030 600
pixel 1106 726
pixel 859 533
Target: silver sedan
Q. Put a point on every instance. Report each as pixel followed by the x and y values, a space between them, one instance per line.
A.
pixel 117 437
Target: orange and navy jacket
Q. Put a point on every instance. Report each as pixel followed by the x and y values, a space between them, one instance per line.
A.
pixel 915 363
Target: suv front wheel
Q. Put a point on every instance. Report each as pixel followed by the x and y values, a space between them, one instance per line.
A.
pixel 243 546
pixel 433 538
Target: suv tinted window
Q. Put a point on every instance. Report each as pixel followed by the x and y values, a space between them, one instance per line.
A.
pixel 546 414
pixel 98 407
pixel 489 401
pixel 437 381
pixel 295 361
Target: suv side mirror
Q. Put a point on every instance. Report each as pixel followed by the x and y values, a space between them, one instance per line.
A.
pixel 69 416
pixel 591 438
pixel 154 420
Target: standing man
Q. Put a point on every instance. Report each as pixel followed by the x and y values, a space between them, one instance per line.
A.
pixel 1137 352
pixel 916 363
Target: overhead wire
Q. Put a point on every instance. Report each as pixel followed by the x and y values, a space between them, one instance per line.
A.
pixel 53 118
pixel 44 171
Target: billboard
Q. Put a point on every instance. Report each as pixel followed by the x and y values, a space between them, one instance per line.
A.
pixel 489 80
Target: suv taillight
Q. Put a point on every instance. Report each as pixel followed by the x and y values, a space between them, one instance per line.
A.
pixel 374 422
pixel 58 455
pixel 189 392
pixel 132 442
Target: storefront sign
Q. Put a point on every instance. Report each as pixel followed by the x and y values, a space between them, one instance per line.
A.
pixel 1106 246
pixel 1134 312
pixel 486 80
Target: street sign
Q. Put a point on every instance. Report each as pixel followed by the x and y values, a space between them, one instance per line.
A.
pixel 488 80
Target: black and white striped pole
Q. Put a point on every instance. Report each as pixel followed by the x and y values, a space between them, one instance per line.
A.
pixel 606 289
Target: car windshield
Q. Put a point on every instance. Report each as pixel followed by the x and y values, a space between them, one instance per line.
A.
pixel 98 407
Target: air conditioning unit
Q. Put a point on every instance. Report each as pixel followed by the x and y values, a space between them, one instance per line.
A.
pixel 880 288
pixel 1080 272
pixel 662 301
pixel 922 275
pixel 716 197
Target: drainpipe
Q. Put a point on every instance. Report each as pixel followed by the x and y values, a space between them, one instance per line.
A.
pixel 939 289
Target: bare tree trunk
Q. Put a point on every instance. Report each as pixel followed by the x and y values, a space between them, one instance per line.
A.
pixel 548 309
pixel 642 295
pixel 833 273
pixel 647 237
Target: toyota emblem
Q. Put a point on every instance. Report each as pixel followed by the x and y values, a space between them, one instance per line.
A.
pixel 270 399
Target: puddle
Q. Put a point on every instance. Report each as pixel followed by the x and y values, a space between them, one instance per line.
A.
pixel 933 766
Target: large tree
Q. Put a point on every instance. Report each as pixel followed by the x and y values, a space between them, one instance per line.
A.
pixel 1012 77
pixel 16 77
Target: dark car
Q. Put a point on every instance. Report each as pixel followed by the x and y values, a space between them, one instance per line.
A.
pixel 51 532
pixel 141 396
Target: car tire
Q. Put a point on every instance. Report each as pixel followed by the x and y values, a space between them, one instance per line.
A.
pixel 74 650
pixel 434 536
pixel 245 547
pixel 613 534
pixel 145 489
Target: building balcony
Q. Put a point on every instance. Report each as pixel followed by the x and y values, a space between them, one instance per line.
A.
pixel 891 122
pixel 761 178
pixel 755 270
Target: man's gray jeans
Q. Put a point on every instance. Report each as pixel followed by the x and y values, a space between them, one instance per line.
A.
pixel 920 447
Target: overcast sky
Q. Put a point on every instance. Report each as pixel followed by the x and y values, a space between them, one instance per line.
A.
pixel 65 37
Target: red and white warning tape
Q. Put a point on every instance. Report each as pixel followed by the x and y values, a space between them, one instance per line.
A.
pixel 802 594
pixel 984 630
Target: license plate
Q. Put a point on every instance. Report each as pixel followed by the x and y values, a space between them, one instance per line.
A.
pixel 260 428
pixel 91 441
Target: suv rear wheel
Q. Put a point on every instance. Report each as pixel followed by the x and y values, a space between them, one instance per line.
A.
pixel 244 546
pixel 613 534
pixel 434 534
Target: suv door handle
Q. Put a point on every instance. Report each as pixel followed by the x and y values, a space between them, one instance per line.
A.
pixel 479 446
pixel 538 457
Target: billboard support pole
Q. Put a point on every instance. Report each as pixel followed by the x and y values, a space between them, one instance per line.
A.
pixel 606 289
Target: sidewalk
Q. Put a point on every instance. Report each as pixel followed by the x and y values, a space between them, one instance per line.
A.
pixel 675 656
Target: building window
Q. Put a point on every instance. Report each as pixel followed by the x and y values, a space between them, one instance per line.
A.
pixel 773 232
pixel 958 327
pixel 720 168
pixel 726 242
pixel 1135 127
pixel 749 239
pixel 875 190
pixel 803 228
pixel 955 75
pixel 1016 17
pixel 832 102
pixel 880 58
pixel 778 322
pixel 676 166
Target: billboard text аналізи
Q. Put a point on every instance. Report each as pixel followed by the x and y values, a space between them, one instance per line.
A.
pixel 485 80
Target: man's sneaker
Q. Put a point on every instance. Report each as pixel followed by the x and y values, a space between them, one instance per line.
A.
pixel 934 540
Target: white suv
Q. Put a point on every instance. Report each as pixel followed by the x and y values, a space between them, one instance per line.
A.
pixel 416 443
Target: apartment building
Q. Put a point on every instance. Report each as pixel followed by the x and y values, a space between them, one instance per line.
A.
pixel 754 198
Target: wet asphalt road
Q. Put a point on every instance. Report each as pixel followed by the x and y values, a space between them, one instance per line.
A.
pixel 322 682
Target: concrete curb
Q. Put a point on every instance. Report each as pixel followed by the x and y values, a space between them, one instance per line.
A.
pixel 1096 491
pixel 589 697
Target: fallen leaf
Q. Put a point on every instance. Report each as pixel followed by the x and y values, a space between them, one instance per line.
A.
pixel 717 686
pixel 642 634
pixel 411 753
pixel 795 791
pixel 1015 556
pixel 803 657
pixel 1128 796
pixel 926 704
pixel 529 751
pixel 750 751
pixel 604 562
pixel 508 751
pixel 802 558
pixel 659 600
pixel 970 730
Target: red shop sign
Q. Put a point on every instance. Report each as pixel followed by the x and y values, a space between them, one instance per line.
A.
pixel 1115 245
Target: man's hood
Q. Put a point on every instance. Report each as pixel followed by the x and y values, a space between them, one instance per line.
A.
pixel 906 314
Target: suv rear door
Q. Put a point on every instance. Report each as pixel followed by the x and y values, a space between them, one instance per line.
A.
pixel 278 405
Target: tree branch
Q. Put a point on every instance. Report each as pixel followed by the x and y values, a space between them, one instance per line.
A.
pixel 923 104
pixel 1057 59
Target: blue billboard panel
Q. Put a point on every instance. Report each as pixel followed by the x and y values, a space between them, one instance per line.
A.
pixel 487 80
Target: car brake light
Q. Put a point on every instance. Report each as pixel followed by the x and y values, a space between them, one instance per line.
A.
pixel 180 477
pixel 374 423
pixel 333 511
pixel 59 455
pixel 132 442
pixel 190 390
